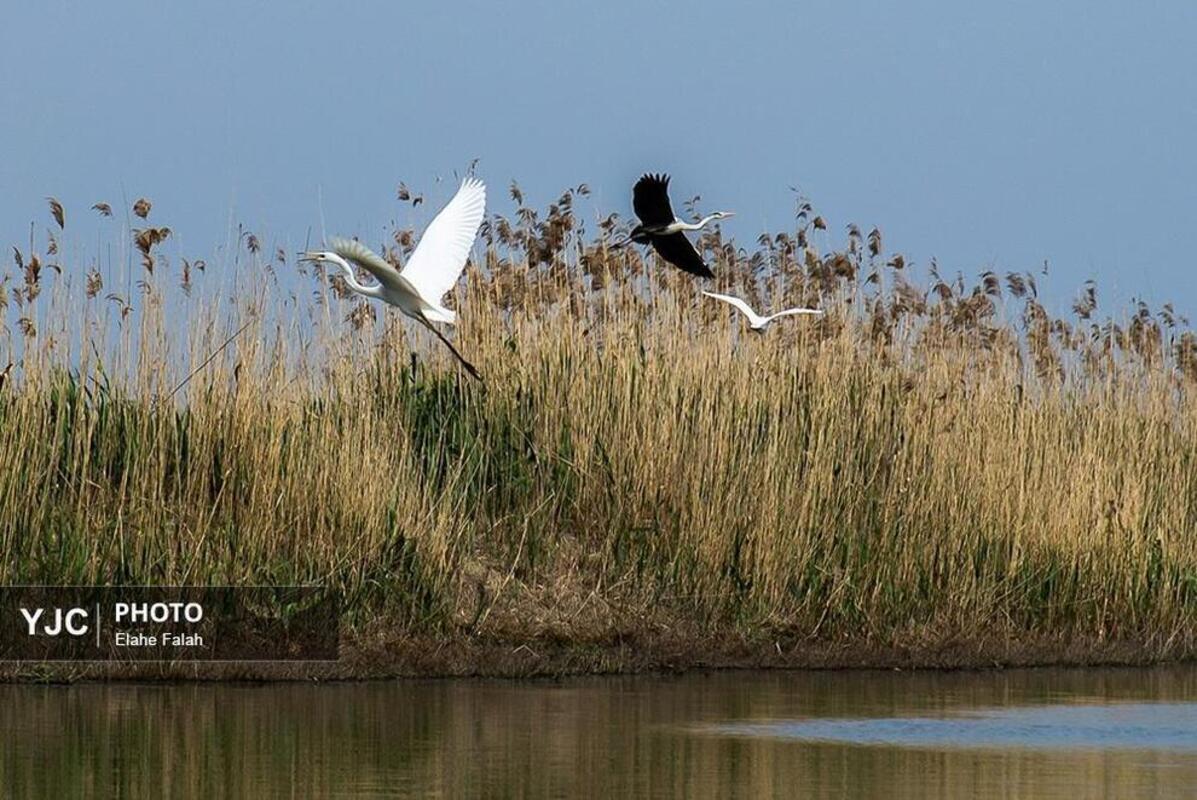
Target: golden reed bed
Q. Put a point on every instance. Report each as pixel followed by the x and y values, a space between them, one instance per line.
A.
pixel 935 472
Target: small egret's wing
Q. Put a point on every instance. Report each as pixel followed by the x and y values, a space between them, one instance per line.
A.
pixel 677 250
pixel 815 312
pixel 443 249
pixel 736 302
pixel 367 259
pixel 650 199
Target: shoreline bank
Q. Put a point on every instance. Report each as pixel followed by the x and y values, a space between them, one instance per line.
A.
pixel 419 657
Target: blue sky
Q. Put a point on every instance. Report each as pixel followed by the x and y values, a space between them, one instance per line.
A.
pixel 995 135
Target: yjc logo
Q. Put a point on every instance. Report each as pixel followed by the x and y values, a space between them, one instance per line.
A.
pixel 72 621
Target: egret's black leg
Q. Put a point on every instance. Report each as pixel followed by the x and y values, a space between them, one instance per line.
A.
pixel 468 366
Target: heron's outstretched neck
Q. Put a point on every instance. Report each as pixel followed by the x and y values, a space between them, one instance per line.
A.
pixel 679 225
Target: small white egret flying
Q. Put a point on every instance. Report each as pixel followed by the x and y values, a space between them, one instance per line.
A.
pixel 755 320
pixel 433 269
pixel 664 231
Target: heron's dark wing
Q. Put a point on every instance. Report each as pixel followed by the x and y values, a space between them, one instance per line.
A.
pixel 650 199
pixel 677 250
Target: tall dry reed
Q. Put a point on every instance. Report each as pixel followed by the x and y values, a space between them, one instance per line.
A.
pixel 931 461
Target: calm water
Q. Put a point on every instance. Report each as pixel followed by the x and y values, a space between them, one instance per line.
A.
pixel 1028 733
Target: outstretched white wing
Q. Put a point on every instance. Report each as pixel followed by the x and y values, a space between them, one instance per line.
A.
pixel 812 311
pixel 753 317
pixel 443 249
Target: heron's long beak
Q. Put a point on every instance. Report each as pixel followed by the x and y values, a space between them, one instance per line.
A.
pixel 309 256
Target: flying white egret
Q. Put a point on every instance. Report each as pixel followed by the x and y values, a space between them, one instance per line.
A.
pixel 433 269
pixel 664 231
pixel 755 320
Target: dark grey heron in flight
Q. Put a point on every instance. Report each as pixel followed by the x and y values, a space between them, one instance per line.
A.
pixel 666 233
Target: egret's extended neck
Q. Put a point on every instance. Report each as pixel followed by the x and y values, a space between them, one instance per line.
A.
pixel 351 279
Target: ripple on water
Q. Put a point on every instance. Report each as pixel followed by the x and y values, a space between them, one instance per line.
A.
pixel 1116 726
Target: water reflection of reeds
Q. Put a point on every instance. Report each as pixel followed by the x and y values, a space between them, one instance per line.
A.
pixel 608 737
